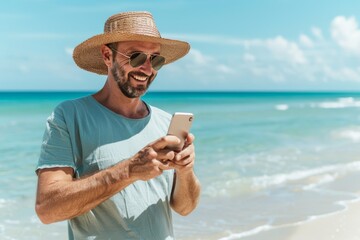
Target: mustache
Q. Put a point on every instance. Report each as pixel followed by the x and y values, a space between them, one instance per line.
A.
pixel 141 74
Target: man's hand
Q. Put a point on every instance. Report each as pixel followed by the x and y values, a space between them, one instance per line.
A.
pixel 184 160
pixel 150 161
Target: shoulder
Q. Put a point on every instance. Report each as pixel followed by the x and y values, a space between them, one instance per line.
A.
pixel 160 114
pixel 70 108
pixel 160 119
pixel 74 105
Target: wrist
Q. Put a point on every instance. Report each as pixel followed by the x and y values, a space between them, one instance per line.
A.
pixel 123 171
pixel 132 174
pixel 184 173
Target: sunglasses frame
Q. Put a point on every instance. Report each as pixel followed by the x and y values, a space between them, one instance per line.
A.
pixel 152 56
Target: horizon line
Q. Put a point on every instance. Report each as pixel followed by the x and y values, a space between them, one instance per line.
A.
pixel 189 91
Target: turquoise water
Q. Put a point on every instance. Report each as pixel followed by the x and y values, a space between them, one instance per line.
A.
pixel 262 158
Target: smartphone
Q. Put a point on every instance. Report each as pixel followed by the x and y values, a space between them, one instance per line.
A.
pixel 180 126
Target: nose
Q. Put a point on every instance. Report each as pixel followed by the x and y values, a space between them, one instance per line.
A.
pixel 146 67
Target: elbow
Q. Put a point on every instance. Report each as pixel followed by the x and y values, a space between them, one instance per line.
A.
pixel 185 203
pixel 192 202
pixel 192 208
pixel 188 208
pixel 184 212
pixel 43 214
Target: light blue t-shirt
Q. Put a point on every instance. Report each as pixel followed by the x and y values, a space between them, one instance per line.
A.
pixel 88 137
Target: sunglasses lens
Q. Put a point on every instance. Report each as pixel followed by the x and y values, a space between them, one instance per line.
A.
pixel 137 59
pixel 157 62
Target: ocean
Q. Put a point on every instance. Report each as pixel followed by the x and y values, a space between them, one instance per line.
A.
pixel 264 159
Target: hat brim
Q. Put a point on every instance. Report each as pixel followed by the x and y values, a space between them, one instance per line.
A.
pixel 87 55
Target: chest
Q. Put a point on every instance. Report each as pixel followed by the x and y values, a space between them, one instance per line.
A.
pixel 105 142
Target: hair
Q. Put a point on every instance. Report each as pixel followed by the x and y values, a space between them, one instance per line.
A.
pixel 113 46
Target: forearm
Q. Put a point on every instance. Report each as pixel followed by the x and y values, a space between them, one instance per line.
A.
pixel 61 197
pixel 65 199
pixel 186 193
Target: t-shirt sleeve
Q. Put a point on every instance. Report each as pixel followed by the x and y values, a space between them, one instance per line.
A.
pixel 56 148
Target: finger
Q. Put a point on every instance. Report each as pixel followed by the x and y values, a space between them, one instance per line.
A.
pixel 166 165
pixel 165 155
pixel 189 140
pixel 186 160
pixel 150 153
pixel 165 141
pixel 145 154
pixel 188 150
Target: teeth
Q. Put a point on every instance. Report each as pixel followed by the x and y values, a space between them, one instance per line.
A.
pixel 139 78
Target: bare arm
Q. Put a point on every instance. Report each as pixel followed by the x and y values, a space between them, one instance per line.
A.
pixel 60 196
pixel 186 191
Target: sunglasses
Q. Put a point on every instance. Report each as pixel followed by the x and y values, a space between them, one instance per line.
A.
pixel 137 59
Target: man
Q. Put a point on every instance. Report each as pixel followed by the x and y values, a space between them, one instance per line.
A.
pixel 104 162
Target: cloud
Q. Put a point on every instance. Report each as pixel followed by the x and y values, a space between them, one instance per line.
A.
pixel 305 41
pixel 317 33
pixel 39 36
pixel 275 59
pixel 311 58
pixel 346 33
pixel 271 72
pixel 206 69
pixel 69 51
pixel 342 73
pixel 247 57
pixel 199 58
pixel 199 62
pixel 221 68
pixel 285 50
pixel 279 48
pixel 214 39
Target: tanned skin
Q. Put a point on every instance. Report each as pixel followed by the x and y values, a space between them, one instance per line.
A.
pixel 61 196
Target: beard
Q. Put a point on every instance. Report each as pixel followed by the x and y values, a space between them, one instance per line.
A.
pixel 124 83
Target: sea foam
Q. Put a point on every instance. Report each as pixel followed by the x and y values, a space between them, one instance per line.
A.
pixel 248 233
pixel 340 103
pixel 310 179
pixel 352 134
pixel 282 107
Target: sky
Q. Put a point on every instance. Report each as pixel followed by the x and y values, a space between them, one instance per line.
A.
pixel 236 45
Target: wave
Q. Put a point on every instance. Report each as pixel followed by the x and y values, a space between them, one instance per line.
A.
pixel 248 233
pixel 309 179
pixel 2 202
pixel 267 227
pixel 352 134
pixel 348 102
pixel 282 107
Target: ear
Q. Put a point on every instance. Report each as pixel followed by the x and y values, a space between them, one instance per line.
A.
pixel 106 55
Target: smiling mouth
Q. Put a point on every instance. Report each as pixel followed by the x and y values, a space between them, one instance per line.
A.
pixel 139 78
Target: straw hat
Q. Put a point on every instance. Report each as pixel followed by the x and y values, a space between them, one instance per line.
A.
pixel 128 26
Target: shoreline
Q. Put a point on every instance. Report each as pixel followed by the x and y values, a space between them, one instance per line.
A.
pixel 339 225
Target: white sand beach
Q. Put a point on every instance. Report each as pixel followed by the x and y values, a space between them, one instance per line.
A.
pixel 342 225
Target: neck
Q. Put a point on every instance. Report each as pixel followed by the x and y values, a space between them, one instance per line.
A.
pixel 115 101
